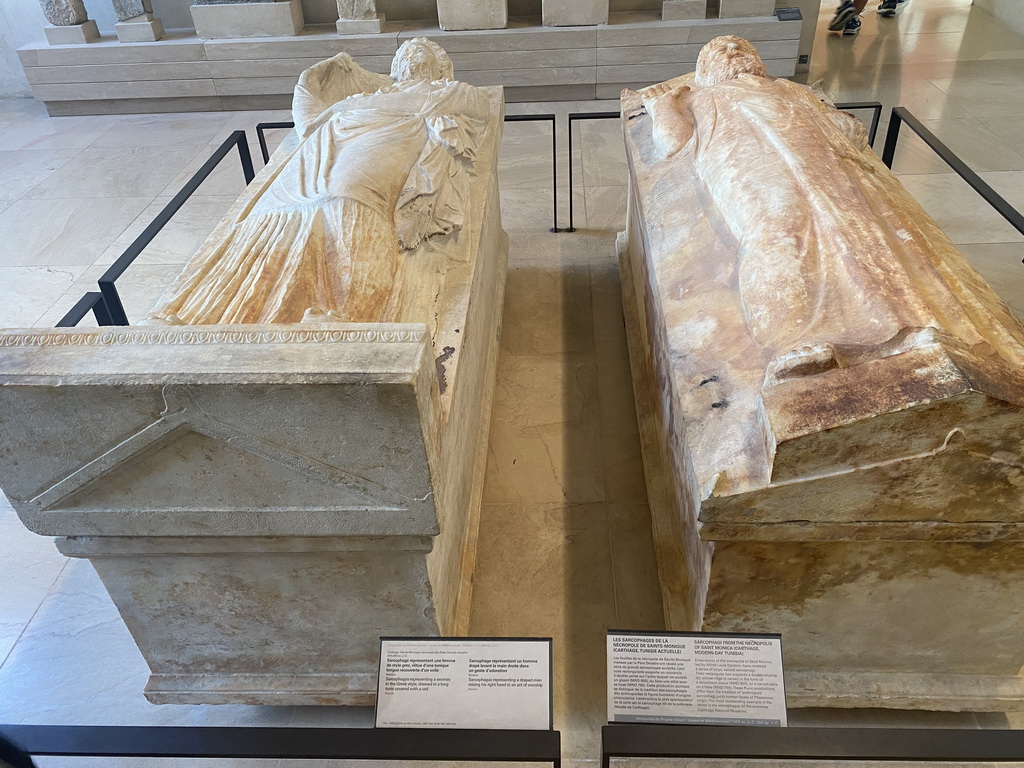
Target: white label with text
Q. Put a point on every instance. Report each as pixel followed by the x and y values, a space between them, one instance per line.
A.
pixel 452 683
pixel 696 679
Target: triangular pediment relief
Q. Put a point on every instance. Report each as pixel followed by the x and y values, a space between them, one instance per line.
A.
pixel 190 470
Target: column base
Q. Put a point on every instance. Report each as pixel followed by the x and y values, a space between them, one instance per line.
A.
pixel 142 31
pixel 75 34
pixel 361 26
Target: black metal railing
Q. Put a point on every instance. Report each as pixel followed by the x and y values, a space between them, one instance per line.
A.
pixel 899 116
pixel 876 114
pixel 554 160
pixel 92 301
pixel 575 117
pixel 287 743
pixel 703 742
pixel 261 129
pixel 106 305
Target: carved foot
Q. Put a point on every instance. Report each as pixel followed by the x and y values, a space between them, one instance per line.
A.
pixel 803 361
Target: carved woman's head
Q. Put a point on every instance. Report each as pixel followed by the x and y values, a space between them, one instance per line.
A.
pixel 725 58
pixel 421 59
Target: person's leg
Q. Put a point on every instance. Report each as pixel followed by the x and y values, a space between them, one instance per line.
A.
pixel 888 8
pixel 848 10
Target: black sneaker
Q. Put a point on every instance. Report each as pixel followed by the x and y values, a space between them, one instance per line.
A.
pixel 852 26
pixel 846 12
pixel 887 8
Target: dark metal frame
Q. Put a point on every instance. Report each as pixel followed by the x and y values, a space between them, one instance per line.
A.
pixel 750 743
pixel 287 743
pixel 260 128
pixel 901 115
pixel 106 305
pixel 575 117
pixel 91 301
pixel 554 163
pixel 876 115
pixel 874 106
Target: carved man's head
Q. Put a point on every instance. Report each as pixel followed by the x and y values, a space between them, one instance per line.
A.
pixel 725 58
pixel 422 59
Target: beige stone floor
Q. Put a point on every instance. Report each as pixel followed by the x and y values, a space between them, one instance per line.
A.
pixel 565 545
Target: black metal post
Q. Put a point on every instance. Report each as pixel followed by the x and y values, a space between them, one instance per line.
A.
pixel 554 159
pixel 993 198
pixel 245 156
pixel 100 311
pixel 260 128
pixel 892 135
pixel 572 182
pixel 554 175
pixel 115 309
pixel 573 117
pixel 876 114
pixel 106 282
pixel 90 301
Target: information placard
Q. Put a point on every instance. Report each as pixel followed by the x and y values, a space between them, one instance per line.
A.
pixel 460 682
pixel 695 678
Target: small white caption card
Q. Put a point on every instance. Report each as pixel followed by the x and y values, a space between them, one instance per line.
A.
pixel 695 678
pixel 462 682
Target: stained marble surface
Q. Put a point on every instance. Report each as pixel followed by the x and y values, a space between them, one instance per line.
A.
pixel 565 518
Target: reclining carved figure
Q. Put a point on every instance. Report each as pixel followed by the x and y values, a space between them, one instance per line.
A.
pixel 833 267
pixel 374 174
pixel 832 399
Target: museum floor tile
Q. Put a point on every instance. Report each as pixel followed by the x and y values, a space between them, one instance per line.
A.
pixel 565 541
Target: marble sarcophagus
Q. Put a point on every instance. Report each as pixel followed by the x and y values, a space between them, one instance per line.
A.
pixel 285 460
pixel 831 399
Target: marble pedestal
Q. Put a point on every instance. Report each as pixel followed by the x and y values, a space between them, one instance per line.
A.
pixel 141 30
pixel 569 13
pixel 739 9
pixel 312 608
pixel 870 513
pixel 678 10
pixel 361 26
pixel 248 19
pixel 74 34
pixel 472 14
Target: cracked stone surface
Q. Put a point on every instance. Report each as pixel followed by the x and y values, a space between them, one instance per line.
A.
pixel 64 13
pixel 129 9
pixel 357 9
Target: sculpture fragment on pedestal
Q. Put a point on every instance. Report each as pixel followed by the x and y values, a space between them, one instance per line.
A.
pixel 574 13
pixel 218 19
pixel 472 14
pixel 136 22
pixel 69 22
pixel 357 17
pixel 679 10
